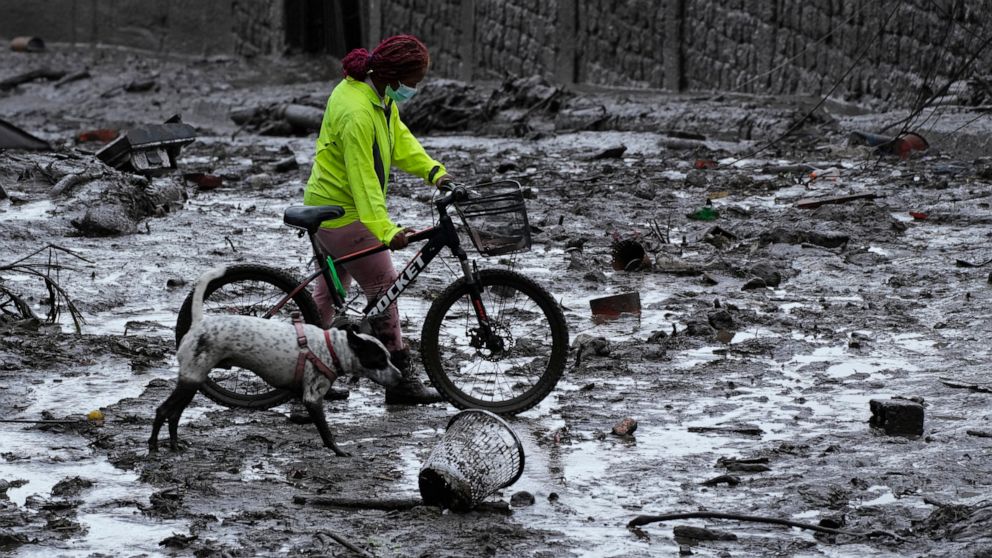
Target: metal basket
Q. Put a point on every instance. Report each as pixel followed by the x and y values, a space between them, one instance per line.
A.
pixel 478 455
pixel 495 218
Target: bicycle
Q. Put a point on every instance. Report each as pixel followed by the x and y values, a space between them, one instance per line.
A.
pixel 493 339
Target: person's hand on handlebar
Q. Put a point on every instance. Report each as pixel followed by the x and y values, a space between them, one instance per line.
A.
pixel 446 182
pixel 400 241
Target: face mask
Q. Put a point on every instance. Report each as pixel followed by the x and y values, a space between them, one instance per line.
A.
pixel 403 93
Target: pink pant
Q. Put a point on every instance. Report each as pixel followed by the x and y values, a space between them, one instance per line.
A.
pixel 374 273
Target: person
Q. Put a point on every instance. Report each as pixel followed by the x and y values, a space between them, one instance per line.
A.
pixel 361 138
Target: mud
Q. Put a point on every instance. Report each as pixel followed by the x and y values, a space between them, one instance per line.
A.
pixel 746 400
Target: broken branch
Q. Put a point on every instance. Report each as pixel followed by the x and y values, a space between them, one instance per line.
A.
pixel 645 519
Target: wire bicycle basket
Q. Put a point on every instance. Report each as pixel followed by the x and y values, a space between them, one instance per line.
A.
pixel 478 455
pixel 495 218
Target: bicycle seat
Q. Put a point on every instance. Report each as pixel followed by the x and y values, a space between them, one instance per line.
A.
pixel 310 217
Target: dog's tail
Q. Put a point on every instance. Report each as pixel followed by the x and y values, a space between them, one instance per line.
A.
pixel 196 310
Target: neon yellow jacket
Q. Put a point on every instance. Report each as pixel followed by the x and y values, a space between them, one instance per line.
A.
pixel 356 147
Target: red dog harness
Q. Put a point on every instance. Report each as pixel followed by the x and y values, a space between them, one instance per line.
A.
pixel 306 354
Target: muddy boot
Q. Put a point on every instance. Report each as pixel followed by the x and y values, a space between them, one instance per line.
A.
pixel 410 390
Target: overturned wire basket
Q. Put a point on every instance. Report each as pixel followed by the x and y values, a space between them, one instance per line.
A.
pixel 478 455
pixel 495 218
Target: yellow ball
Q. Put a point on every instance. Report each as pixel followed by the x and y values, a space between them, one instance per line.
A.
pixel 95 415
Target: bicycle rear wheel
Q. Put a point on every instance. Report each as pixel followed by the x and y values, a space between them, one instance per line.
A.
pixel 514 368
pixel 247 290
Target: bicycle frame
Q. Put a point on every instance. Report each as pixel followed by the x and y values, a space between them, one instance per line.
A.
pixel 438 237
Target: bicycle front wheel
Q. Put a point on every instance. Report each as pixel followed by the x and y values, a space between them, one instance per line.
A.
pixel 508 369
pixel 248 290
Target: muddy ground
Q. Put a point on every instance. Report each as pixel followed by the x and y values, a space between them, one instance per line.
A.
pixel 763 333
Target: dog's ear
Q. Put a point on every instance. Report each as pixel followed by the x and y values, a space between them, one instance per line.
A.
pixel 353 338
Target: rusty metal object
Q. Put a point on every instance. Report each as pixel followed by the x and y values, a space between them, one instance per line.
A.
pixel 27 44
pixel 629 255
pixel 612 307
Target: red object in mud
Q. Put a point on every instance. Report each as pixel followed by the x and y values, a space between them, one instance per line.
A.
pixel 906 144
pixel 625 427
pixel 102 135
pixel 611 307
pixel 204 181
pixel 918 215
pixel 705 164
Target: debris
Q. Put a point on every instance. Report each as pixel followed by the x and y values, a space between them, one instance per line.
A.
pixel 478 455
pixel 646 519
pixel 704 164
pixel 746 429
pixel 705 213
pixel 907 144
pixel 626 427
pixel 813 203
pixel 608 153
pixel 396 504
pixel 689 534
pixel 963 263
pixel 74 76
pixel 345 543
pixel 918 215
pixel 102 135
pixel 141 85
pixel 43 73
pixel 831 174
pixel 629 255
pixel 902 146
pixel 752 465
pixel 204 181
pixel 27 44
pixel 867 138
pixel 729 480
pixel 612 307
pixel 897 417
pixel 150 150
pixel 12 137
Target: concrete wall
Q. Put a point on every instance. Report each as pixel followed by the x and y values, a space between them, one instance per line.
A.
pixel 889 49
pixel 184 26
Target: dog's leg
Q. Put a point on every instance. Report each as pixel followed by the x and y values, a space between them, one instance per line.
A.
pixel 316 410
pixel 171 410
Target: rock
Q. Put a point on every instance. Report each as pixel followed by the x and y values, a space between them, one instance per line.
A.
pixel 897 417
pixel 625 427
pixel 766 272
pixel 827 239
pixel 105 220
pixel 689 534
pixel 721 319
pixel 522 499
pixel 588 345
pixel 287 164
pixel 754 283
pixel 71 486
pixel 698 328
pixel 696 177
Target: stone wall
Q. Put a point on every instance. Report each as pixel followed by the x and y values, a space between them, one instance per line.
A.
pixel 887 49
